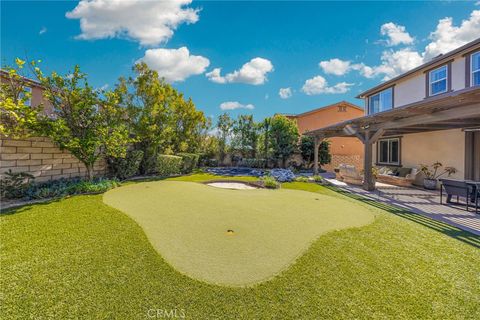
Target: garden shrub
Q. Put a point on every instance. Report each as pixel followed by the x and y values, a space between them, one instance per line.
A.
pixel 253 163
pixel 14 185
pixel 318 178
pixel 212 163
pixel 123 168
pixel 190 161
pixel 203 159
pixel 270 182
pixel 301 179
pixel 168 165
pixel 64 187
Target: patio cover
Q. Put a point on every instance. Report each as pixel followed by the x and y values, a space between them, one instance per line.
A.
pixel 456 109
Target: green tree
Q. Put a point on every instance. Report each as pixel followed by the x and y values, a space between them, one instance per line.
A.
pixel 307 146
pixel 84 121
pixel 187 124
pixel 264 136
pixel 148 100
pixel 283 137
pixel 245 136
pixel 17 119
pixel 224 127
pixel 161 119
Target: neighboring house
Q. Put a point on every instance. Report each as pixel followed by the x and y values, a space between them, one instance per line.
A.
pixel 35 89
pixel 428 114
pixel 38 155
pixel 342 149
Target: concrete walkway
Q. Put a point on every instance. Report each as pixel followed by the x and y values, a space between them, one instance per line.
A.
pixel 420 201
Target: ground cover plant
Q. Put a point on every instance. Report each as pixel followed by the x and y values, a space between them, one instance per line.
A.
pixel 79 258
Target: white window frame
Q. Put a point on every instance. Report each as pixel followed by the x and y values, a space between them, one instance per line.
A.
pixel 380 100
pixel 389 156
pixel 430 80
pixel 472 84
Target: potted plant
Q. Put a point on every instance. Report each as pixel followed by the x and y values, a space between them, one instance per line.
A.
pixel 433 172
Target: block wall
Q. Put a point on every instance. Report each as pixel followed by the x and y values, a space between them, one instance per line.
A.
pixel 41 158
pixel 337 159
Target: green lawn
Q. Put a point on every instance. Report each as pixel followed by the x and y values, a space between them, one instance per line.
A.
pixel 79 258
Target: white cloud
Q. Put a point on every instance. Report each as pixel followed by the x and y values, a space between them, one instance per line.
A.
pixel 42 30
pixel 253 72
pixel 285 93
pixel 233 105
pixel 394 63
pixel 335 66
pixel 149 22
pixel 447 37
pixel 215 76
pixel 318 85
pixel 396 34
pixel 175 64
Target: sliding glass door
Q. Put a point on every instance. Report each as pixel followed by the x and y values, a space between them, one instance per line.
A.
pixel 472 155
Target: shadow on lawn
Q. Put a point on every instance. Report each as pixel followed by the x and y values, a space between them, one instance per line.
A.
pixel 439 226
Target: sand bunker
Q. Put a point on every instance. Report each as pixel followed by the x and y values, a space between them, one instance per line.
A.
pixel 231 185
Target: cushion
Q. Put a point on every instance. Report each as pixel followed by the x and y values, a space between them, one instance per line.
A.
pixel 384 170
pixel 402 172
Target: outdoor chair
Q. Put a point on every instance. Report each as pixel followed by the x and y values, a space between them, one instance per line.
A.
pixel 350 174
pixel 457 188
pixel 476 196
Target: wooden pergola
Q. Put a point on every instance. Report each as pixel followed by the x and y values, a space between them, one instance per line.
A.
pixel 456 109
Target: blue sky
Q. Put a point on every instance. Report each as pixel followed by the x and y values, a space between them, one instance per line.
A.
pixel 317 52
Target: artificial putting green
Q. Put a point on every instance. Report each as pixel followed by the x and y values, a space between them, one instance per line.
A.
pixel 188 224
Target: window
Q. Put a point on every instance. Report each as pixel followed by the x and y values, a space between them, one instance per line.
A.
pixel 475 63
pixel 381 101
pixel 438 80
pixel 27 90
pixel 342 109
pixel 388 151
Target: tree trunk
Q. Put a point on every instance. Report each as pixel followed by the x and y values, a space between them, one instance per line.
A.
pixel 89 171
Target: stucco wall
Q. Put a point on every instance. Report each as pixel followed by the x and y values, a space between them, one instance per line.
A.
pixel 348 150
pixel 458 74
pixel 409 91
pixel 39 157
pixel 412 88
pixel 446 146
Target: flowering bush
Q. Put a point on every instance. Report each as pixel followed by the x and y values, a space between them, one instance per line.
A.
pixel 282 175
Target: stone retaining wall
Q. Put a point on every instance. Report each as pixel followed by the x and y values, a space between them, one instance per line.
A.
pixel 41 158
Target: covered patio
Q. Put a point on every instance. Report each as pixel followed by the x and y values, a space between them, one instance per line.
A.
pixel 454 110
pixel 419 201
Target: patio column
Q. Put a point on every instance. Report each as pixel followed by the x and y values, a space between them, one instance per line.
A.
pixel 368 183
pixel 317 141
pixel 368 138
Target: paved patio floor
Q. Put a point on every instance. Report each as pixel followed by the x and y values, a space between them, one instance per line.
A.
pixel 420 201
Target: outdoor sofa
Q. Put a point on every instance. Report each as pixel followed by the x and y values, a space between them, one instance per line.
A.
pixel 401 176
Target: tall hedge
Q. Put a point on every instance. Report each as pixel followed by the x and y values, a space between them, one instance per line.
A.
pixel 168 165
pixel 123 168
pixel 190 161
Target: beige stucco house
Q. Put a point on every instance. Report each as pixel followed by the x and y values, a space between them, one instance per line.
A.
pixel 428 114
pixel 342 149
